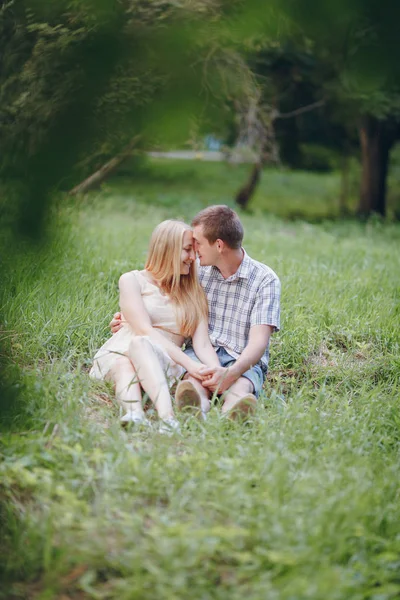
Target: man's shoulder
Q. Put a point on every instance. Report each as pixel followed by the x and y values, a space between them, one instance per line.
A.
pixel 261 272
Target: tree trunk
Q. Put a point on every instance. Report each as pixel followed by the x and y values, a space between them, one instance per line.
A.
pixel 246 192
pixel 105 171
pixel 344 191
pixel 376 138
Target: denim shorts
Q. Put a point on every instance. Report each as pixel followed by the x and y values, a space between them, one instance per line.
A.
pixel 255 375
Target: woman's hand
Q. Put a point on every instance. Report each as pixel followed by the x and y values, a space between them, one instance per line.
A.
pixel 116 323
pixel 195 370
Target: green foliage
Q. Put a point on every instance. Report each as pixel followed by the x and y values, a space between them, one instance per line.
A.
pixel 141 48
pixel 79 80
pixel 318 158
pixel 302 502
pixel 356 49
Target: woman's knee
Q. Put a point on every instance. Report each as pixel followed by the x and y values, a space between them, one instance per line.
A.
pixel 121 365
pixel 139 343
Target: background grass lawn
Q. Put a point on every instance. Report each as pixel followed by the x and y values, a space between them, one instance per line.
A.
pixel 301 503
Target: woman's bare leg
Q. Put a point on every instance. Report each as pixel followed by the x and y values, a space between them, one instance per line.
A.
pixel 151 375
pixel 127 388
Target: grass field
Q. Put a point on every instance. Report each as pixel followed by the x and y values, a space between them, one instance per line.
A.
pixel 302 503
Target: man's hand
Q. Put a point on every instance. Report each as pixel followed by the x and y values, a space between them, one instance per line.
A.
pixel 218 379
pixel 196 370
pixel 116 323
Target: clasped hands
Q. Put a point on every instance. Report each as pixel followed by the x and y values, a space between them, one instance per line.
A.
pixel 213 378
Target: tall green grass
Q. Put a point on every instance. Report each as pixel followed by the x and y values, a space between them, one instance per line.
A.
pixel 303 502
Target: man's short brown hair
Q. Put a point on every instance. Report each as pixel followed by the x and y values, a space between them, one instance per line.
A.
pixel 220 222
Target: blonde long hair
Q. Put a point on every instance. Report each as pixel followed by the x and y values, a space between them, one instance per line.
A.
pixel 164 264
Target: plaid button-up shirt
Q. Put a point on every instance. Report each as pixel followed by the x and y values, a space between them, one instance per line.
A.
pixel 249 297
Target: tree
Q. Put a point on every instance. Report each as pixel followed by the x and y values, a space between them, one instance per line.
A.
pixel 357 48
pixel 105 73
pixel 344 55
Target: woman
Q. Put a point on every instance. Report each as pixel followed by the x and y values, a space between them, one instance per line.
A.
pixel 162 305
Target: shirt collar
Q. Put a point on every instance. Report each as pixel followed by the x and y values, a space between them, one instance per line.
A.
pixel 243 271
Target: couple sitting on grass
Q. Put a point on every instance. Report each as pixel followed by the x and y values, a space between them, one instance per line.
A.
pixel 171 300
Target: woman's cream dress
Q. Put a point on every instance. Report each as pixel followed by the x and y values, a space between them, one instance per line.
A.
pixel 163 318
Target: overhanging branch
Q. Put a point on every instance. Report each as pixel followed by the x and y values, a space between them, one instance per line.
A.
pixel 300 111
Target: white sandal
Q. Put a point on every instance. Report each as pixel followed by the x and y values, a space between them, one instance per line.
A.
pixel 169 426
pixel 135 418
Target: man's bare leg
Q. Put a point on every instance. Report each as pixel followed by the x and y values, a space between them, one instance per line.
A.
pixel 202 391
pixel 241 388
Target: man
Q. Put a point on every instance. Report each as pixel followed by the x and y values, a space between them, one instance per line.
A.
pixel 244 308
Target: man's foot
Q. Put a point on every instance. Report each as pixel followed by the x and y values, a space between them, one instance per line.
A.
pixel 187 398
pixel 243 409
pixel 169 426
pixel 134 418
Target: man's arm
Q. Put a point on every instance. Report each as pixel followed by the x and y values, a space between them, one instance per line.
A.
pixel 264 321
pixel 259 337
pixel 223 378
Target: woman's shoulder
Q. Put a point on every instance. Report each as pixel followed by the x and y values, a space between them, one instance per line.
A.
pixel 131 277
pixel 141 273
pixel 142 278
pixel 133 273
pixel 145 276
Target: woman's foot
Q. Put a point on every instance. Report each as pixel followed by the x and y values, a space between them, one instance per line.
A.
pixel 187 398
pixel 169 426
pixel 133 417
